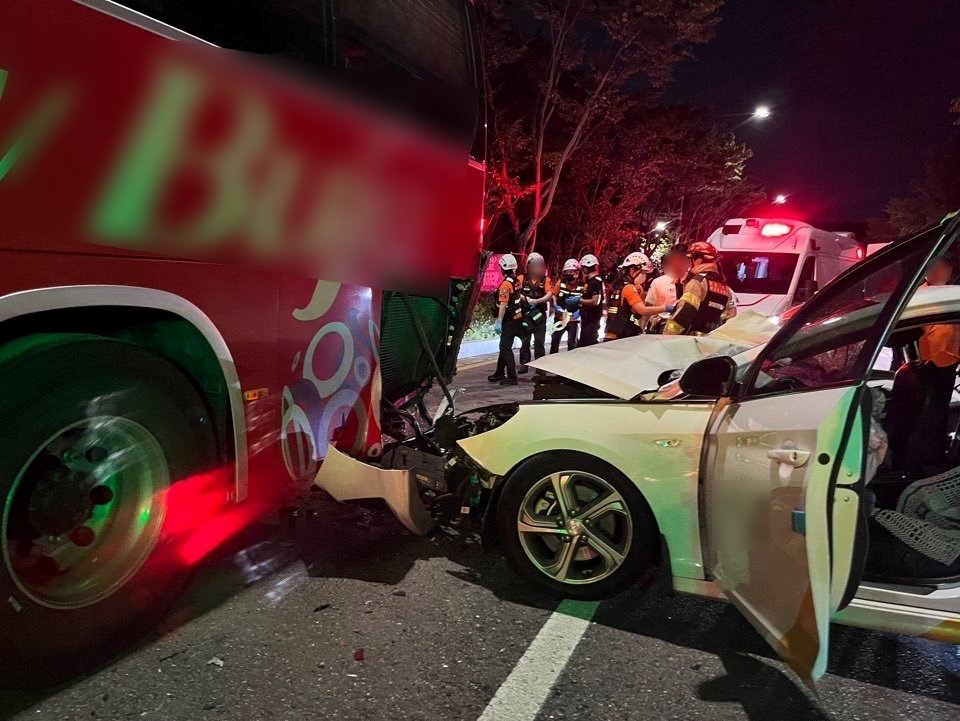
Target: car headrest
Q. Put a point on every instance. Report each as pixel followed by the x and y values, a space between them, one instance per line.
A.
pixel 901 338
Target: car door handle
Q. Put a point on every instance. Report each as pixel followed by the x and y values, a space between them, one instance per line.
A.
pixel 789 456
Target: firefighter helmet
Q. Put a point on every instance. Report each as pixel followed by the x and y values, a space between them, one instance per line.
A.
pixel 508 262
pixel 571 264
pixel 534 256
pixel 589 261
pixel 702 249
pixel 638 260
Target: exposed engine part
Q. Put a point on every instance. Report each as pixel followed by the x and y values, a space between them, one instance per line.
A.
pixel 406 429
pixel 428 468
pixel 449 429
pixel 489 417
pixel 422 477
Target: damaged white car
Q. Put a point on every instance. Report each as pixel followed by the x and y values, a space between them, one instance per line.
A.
pixel 778 466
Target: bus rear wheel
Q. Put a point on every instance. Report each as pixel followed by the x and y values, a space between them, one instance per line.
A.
pixel 93 435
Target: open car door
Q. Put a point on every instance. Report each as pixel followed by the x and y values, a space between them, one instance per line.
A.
pixel 786 499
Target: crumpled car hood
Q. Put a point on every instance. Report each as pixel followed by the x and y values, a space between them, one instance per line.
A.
pixel 630 366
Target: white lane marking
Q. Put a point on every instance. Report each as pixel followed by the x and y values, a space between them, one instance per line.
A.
pixel 522 695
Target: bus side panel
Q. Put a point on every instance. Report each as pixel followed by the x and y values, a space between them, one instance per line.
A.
pixel 124 142
pixel 328 358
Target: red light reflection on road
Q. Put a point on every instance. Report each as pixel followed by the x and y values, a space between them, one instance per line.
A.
pixel 201 517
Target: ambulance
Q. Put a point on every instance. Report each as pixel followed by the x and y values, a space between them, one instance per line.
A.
pixel 773 264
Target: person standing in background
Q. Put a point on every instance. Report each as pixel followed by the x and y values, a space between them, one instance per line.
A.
pixel 566 299
pixel 591 302
pixel 534 290
pixel 508 322
pixel 667 289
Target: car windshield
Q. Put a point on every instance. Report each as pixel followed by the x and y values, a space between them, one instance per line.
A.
pixel 758 272
pixel 834 338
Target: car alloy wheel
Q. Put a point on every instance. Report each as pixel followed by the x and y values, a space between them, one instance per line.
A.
pixel 574 527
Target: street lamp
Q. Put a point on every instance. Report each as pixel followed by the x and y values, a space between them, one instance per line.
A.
pixel 780 199
pixel 761 112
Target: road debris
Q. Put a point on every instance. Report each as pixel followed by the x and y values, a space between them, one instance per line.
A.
pixel 358 655
pixel 215 661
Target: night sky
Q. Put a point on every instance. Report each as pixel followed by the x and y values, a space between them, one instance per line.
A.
pixel 860 91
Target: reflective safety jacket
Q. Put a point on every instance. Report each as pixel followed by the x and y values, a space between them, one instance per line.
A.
pixel 621 320
pixel 509 293
pixel 566 293
pixel 702 306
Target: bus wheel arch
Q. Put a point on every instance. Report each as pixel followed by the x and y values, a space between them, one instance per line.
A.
pixel 159 321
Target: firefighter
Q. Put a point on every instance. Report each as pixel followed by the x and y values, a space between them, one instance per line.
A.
pixel 591 302
pixel 626 310
pixel 536 297
pixel 707 300
pixel 566 300
pixel 508 323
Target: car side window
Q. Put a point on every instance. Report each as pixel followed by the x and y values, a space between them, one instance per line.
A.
pixel 834 339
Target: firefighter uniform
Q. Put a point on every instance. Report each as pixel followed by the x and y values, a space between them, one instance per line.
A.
pixel 509 293
pixel 622 322
pixel 534 320
pixel 705 304
pixel 566 296
pixel 590 316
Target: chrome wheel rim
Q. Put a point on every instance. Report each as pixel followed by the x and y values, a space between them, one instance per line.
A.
pixel 85 512
pixel 575 527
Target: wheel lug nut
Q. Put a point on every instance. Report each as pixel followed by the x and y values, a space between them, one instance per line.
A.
pixel 101 495
pixel 82 536
pixel 95 454
pixel 70 455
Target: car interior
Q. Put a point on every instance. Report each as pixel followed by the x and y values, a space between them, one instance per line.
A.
pixel 914 529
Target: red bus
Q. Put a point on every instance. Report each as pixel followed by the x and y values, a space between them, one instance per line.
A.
pixel 229 233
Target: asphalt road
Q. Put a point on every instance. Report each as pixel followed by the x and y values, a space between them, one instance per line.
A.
pixel 345 615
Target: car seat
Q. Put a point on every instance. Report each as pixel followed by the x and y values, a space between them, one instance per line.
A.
pixel 919 540
pixel 908 418
pixel 914 418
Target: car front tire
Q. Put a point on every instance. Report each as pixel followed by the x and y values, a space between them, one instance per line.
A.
pixel 575 526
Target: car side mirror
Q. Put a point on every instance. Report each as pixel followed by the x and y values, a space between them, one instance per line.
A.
pixel 667 376
pixel 710 377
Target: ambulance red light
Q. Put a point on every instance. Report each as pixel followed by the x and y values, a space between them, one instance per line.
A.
pixel 774 230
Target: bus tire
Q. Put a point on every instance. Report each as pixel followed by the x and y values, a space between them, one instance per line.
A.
pixel 93 435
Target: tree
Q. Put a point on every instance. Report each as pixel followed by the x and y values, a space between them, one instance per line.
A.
pixel 668 164
pixel 578 65
pixel 933 194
